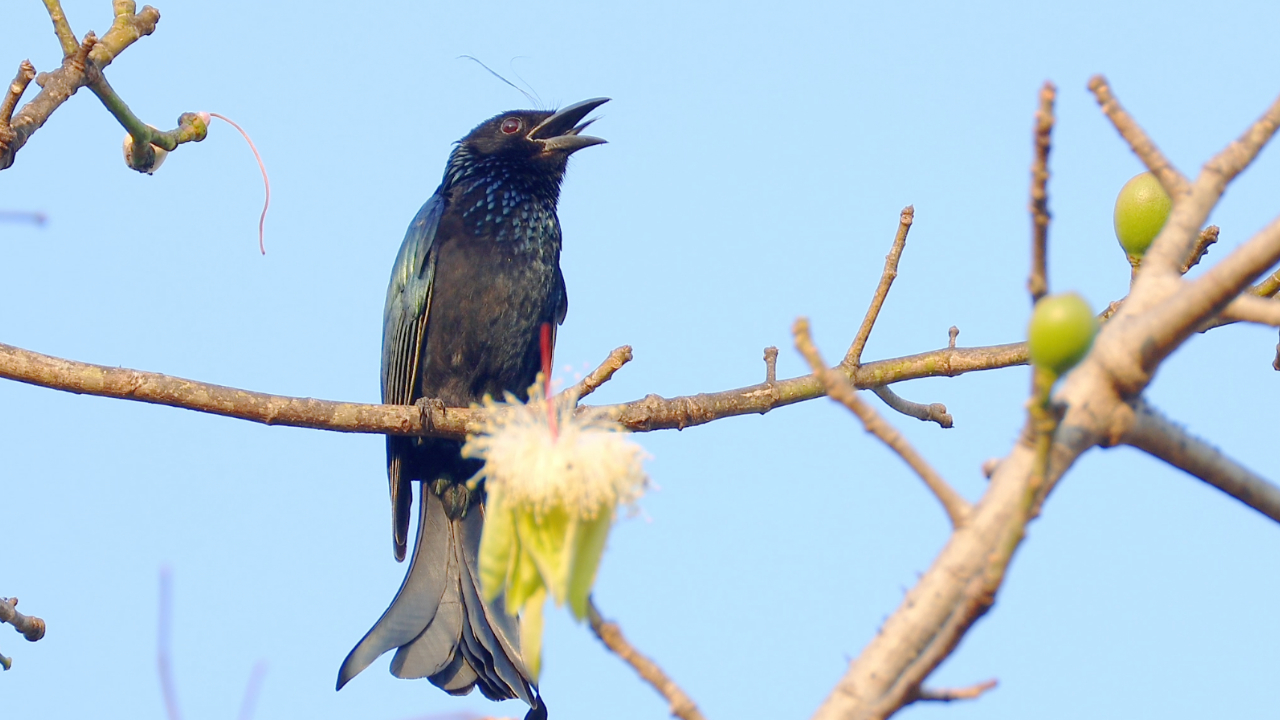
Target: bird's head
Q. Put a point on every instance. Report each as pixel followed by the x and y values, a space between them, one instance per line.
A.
pixel 542 139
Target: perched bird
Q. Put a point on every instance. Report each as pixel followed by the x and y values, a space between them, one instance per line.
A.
pixel 476 278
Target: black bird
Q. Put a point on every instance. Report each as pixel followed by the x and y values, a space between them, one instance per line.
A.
pixel 476 278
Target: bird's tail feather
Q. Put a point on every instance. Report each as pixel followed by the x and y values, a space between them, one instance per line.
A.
pixel 442 628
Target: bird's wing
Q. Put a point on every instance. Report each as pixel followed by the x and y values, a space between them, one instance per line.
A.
pixel 404 329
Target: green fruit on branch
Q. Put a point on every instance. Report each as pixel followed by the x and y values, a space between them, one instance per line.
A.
pixel 1142 208
pixel 1061 332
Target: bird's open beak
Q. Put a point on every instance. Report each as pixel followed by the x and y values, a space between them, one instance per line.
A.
pixel 562 131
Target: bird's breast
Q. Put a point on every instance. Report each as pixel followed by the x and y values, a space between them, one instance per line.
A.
pixel 490 296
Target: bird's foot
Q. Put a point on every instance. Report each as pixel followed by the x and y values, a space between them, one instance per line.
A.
pixel 426 406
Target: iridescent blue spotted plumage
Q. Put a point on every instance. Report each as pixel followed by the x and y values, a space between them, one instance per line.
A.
pixel 477 276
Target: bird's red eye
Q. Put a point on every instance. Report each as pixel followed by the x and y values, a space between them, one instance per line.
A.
pixel 511 125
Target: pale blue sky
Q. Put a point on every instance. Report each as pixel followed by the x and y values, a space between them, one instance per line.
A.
pixel 759 155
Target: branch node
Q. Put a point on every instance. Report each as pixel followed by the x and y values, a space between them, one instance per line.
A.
pixel 952 334
pixel 771 365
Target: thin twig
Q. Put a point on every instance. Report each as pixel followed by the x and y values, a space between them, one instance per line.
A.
pixel 26 73
pixel 934 412
pixel 1208 236
pixel 1156 435
pixel 1268 287
pixel 839 389
pixel 61 27
pixel 952 694
pixel 1038 282
pixel 1174 182
pixel 854 357
pixel 771 364
pixel 127 28
pixel 29 626
pixel 682 706
pixel 601 375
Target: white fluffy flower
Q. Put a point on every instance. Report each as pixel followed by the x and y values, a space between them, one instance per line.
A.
pixel 553 483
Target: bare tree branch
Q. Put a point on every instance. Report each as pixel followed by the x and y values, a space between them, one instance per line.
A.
pixel 61 28
pixel 770 365
pixel 1156 435
pixel 26 73
pixel 1038 282
pixel 29 626
pixel 682 706
pixel 962 582
pixel 1208 236
pixel 1219 288
pixel 649 413
pixel 1251 308
pixel 1174 182
pixel 1268 287
pixel 838 389
pixel 81 66
pixel 854 356
pixel 934 412
pixel 601 375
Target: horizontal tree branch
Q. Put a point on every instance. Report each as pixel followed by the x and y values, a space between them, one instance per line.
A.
pixel 649 413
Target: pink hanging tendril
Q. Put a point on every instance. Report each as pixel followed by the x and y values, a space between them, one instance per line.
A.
pixel 265 181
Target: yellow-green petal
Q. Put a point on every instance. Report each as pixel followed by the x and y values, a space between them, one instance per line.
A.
pixel 544 540
pixel 531 632
pixel 524 582
pixel 497 546
pixel 588 548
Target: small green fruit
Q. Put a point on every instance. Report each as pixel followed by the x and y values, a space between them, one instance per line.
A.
pixel 1061 332
pixel 1142 207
